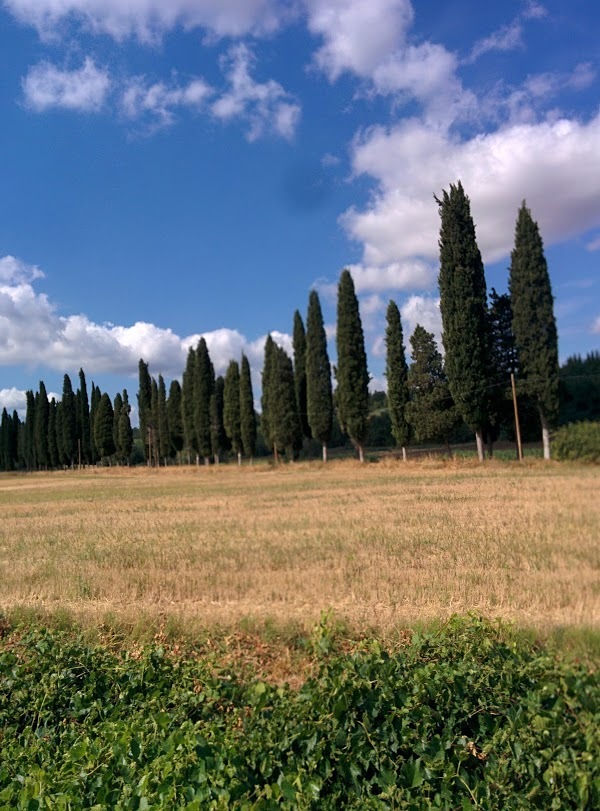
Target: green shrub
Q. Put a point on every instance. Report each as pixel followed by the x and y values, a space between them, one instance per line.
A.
pixel 579 441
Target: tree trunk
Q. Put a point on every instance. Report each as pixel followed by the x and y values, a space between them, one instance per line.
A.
pixel 216 459
pixel 545 436
pixel 404 454
pixel 207 460
pixel 479 441
pixel 239 458
pixel 275 455
pixel 324 451
pixel 361 454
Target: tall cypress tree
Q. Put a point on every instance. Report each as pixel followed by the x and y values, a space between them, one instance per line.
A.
pixel 103 428
pixel 430 411
pixel 265 401
pixel 84 419
pixel 319 397
pixel 534 326
pixel 117 407
pixel 503 363
pixel 94 403
pixel 187 404
pixel 247 413
pixel 16 439
pixel 42 411
pixel 231 408
pixel 463 305
pixel 144 399
pixel 218 437
pixel 69 427
pixel 4 434
pixel 175 418
pixel 299 346
pixel 125 432
pixel 164 440
pixel 153 423
pixel 284 423
pixel 29 431
pixel 397 377
pixel 53 456
pixel 204 385
pixel 352 395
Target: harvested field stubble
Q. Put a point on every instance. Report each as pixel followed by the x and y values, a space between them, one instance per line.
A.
pixel 383 545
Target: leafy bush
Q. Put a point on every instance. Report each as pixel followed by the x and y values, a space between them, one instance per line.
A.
pixel 579 441
pixel 461 719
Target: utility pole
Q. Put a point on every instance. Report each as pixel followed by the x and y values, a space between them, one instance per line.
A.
pixel 517 427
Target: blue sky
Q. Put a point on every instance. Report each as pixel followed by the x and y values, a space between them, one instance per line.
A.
pixel 193 167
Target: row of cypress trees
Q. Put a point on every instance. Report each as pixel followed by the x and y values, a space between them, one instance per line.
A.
pixel 73 430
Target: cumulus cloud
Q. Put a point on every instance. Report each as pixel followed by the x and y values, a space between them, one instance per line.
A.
pixel 33 333
pixel 554 164
pixel 13 399
pixel 265 106
pixel 408 275
pixel 423 310
pixel 85 89
pixel 158 101
pixel 148 20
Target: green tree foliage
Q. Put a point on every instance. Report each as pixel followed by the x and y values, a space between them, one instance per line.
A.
pixel 319 397
pixel 84 419
pixel 284 423
pixel 124 432
pixel 29 432
pixel 502 363
pixel 266 399
pixel 69 423
pixel 231 408
pixel 42 412
pixel 396 370
pixel 218 437
pixel 431 411
pixel 580 388
pixel 94 403
pixel 204 384
pixel 144 399
pixel 299 347
pixel 5 427
pixel 175 417
pixel 247 413
pixel 117 406
pixel 533 324
pixel 463 305
pixel 164 439
pixel 352 395
pixel 53 454
pixel 187 404
pixel 578 442
pixel 103 427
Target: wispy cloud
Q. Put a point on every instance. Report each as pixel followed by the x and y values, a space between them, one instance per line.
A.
pixel 84 89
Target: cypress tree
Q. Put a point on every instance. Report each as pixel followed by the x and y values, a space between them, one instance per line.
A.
pixel 319 397
pixel 164 440
pixel 53 455
pixel 247 413
pixel 175 417
pixel 265 401
pixel 284 423
pixel 117 406
pixel 103 427
pixel 125 432
pixel 153 423
pixel 533 323
pixel 463 305
pixel 231 408
pixel 503 363
pixel 4 434
pixel 59 433
pixel 187 404
pixel 352 395
pixel 430 411
pixel 299 346
pixel 397 377
pixel 13 439
pixel 69 422
pixel 218 437
pixel 29 431
pixel 84 419
pixel 94 402
pixel 204 385
pixel 144 399
pixel 42 410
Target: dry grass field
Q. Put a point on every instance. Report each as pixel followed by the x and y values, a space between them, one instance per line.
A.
pixel 384 545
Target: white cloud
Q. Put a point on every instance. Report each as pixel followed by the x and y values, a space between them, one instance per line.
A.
pixel 150 19
pixel 507 38
pixel 13 271
pixel 423 310
pixel 265 106
pixel 85 89
pixel 158 100
pixel 12 399
pixel 553 164
pixel 407 275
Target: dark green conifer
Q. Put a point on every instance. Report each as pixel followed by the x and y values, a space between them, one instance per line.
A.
pixel 265 401
pixel 5 462
pixel 144 399
pixel 204 385
pixel 69 426
pixel 84 419
pixel 231 408
pixel 397 377
pixel 534 326
pixel 218 437
pixel 187 405
pixel 29 432
pixel 299 346
pixel 502 363
pixel 94 402
pixel 247 413
pixel 117 406
pixel 319 397
pixel 53 457
pixel 463 305
pixel 430 411
pixel 103 428
pixel 352 396
pixel 175 418
pixel 125 432
pixel 42 410
pixel 164 440
pixel 284 423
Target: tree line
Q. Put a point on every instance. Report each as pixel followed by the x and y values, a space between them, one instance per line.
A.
pixel 486 339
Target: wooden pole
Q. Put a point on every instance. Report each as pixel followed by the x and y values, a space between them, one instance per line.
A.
pixel 517 427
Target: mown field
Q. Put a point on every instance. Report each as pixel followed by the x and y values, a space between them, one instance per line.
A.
pixel 383 545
